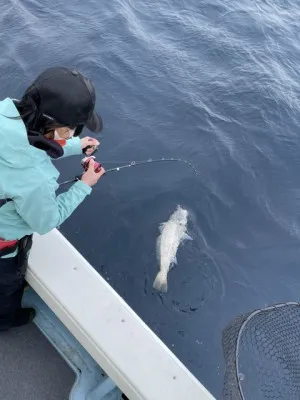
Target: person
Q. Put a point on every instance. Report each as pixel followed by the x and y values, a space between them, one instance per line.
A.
pixel 44 125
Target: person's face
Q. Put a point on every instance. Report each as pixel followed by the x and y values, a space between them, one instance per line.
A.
pixel 65 132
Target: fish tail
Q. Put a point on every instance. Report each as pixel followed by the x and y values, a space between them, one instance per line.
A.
pixel 160 282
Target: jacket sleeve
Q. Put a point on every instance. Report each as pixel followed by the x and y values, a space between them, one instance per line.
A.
pixel 72 147
pixel 43 211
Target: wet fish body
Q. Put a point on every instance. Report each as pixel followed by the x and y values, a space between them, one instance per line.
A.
pixel 173 232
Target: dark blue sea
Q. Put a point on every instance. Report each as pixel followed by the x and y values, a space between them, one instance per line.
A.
pixel 212 82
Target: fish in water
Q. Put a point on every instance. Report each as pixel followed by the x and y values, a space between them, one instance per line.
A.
pixel 172 233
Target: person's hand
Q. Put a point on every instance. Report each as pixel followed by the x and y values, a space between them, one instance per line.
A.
pixel 89 141
pixel 90 177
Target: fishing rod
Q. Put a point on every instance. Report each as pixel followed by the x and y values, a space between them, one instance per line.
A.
pixel 149 161
pixel 97 166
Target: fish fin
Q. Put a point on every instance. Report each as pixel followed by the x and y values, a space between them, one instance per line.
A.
pixel 186 237
pixel 161 226
pixel 160 282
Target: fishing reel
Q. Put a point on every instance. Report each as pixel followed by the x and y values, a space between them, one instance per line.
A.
pixel 85 162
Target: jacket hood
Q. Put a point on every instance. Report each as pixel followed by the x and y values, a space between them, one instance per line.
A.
pixel 15 148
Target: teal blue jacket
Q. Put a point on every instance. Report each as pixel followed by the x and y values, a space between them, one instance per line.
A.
pixel 28 176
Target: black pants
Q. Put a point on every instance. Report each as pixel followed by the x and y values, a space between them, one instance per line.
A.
pixel 12 281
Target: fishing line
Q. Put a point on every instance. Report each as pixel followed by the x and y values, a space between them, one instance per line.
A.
pixel 138 163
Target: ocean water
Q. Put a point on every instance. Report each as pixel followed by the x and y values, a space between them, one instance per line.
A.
pixel 213 82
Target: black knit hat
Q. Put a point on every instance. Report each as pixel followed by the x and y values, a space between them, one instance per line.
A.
pixel 67 97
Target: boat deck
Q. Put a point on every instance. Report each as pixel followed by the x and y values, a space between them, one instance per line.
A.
pixel 31 368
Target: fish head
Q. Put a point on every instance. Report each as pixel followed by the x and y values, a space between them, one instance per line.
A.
pixel 180 216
